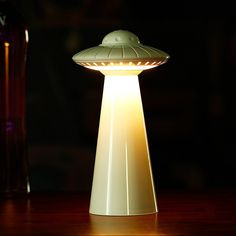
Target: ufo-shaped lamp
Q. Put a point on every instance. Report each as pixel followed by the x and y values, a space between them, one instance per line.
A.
pixel 122 182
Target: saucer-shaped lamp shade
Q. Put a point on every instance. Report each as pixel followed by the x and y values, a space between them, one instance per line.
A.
pixel 122 182
pixel 120 48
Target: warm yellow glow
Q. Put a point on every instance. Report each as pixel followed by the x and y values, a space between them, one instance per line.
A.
pixel 121 67
pixel 7 45
pixel 122 158
pixel 122 87
pixel 128 226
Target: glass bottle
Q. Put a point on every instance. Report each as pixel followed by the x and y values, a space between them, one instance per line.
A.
pixel 14 179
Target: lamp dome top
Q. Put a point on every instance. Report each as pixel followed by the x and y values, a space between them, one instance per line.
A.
pixel 120 37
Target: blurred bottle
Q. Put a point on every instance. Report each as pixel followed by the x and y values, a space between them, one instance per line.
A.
pixel 14 179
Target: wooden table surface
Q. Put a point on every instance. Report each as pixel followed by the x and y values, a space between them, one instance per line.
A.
pixel 212 213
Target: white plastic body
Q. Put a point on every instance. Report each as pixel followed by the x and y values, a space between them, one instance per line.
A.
pixel 122 183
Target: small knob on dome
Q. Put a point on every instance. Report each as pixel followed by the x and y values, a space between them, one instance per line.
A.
pixel 120 37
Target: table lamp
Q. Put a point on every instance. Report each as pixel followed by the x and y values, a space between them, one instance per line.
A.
pixel 122 182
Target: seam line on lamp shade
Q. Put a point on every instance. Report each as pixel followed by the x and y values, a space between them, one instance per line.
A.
pixel 110 157
pixel 135 51
pixel 127 178
pixel 109 53
pixel 149 54
pixel 123 51
pixel 152 49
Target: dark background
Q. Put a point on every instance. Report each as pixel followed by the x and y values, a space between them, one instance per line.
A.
pixel 189 103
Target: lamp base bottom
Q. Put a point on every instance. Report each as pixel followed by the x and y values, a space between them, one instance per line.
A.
pixel 134 213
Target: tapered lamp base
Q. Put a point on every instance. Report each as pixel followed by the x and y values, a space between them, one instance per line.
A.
pixel 122 183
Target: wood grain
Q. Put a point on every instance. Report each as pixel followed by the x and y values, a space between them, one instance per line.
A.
pixel 212 213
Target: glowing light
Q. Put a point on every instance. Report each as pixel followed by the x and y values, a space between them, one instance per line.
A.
pixel 7 45
pixel 123 182
pixel 26 36
pixel 127 178
pixel 121 63
pixel 121 68
pixel 122 141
